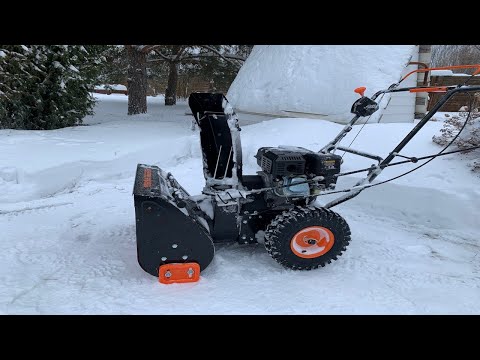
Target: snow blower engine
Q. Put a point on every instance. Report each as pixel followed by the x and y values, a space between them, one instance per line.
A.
pixel 176 232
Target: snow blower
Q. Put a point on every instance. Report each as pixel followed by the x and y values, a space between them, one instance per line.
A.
pixel 176 232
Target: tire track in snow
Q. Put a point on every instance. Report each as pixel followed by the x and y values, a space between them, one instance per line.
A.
pixel 389 260
pixel 34 208
pixel 94 267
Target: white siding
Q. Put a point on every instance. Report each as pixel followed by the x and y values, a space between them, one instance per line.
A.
pixel 401 106
pixel 422 98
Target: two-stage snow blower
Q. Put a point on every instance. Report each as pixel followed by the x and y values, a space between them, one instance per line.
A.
pixel 176 232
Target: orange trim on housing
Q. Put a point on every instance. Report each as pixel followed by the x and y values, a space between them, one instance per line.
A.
pixel 147 178
pixel 429 89
pixel 179 273
pixel 475 66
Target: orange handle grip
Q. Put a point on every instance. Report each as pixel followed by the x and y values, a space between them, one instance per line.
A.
pixel 429 89
pixel 360 90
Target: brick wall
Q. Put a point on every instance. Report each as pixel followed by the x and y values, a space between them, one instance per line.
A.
pixel 457 101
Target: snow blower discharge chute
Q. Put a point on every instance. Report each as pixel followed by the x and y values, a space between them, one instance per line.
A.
pixel 176 232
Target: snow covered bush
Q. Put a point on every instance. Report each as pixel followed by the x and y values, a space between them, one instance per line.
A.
pixel 45 87
pixel 469 137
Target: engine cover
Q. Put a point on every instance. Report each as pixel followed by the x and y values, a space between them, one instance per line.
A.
pixel 280 162
pixel 289 162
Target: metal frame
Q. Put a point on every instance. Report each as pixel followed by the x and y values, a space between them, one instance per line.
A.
pixel 374 171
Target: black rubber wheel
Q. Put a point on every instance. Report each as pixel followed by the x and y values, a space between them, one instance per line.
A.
pixel 306 238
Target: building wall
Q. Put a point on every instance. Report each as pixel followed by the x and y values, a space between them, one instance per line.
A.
pixel 405 106
pixel 401 106
pixel 458 100
pixel 421 103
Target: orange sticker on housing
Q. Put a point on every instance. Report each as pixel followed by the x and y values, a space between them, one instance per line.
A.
pixel 147 178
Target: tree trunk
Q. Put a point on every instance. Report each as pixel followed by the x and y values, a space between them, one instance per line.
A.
pixel 171 91
pixel 137 81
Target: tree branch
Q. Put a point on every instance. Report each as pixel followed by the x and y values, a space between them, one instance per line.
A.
pixel 179 54
pixel 144 48
pixel 229 57
pixel 165 57
pixel 223 56
pixel 151 48
pixel 182 57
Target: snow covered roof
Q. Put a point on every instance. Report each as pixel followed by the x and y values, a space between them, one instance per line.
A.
pixel 315 78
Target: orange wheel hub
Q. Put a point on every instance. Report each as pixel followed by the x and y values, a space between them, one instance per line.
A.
pixel 312 242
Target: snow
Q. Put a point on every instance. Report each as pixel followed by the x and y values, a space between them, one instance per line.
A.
pixel 68 225
pixel 447 73
pixel 318 79
pixel 441 73
pixel 113 87
pixel 58 65
pixel 73 68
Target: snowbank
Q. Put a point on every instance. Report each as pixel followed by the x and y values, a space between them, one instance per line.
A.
pixel 111 87
pixel 315 78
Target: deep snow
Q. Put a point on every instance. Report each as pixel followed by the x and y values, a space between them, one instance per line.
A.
pixel 319 79
pixel 68 232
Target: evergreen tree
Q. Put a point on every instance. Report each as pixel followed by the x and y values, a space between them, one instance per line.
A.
pixel 45 87
pixel 16 75
pixel 115 67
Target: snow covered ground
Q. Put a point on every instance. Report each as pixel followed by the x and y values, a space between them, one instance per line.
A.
pixel 67 230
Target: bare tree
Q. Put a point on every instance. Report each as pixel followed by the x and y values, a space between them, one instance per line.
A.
pixel 446 55
pixel 137 77
pixel 138 57
pixel 175 55
pixel 173 59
